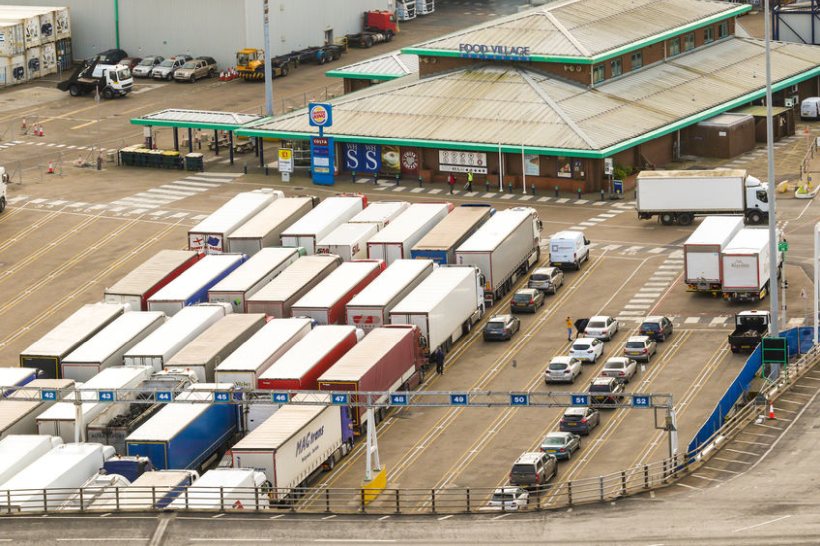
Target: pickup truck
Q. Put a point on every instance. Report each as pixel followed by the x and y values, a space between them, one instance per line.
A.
pixel 193 70
pixel 750 328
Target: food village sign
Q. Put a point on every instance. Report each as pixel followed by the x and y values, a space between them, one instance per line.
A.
pixel 497 52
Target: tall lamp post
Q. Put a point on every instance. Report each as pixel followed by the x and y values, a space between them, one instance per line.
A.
pixel 773 292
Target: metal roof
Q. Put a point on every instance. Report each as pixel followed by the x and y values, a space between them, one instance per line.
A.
pixel 195 119
pixel 384 67
pixel 479 107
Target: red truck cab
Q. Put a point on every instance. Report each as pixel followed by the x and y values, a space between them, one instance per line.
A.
pixel 381 21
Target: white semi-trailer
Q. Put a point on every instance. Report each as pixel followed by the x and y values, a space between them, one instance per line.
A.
pixel 703 267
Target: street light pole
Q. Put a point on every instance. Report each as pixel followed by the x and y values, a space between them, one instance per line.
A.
pixel 268 55
pixel 816 280
pixel 773 293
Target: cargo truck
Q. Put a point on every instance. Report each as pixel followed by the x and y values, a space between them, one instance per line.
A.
pixel 295 444
pixel 389 359
pixel 131 468
pixel 277 297
pixel 192 285
pixel 425 7
pixel 266 227
pixel 745 262
pixel 750 329
pixel 187 435
pixel 380 213
pixel 167 340
pixel 371 307
pixel 676 197
pixel 379 26
pixel 147 278
pixel 324 218
pixel 223 489
pixel 107 348
pixel 441 242
pixel 211 347
pixel 106 81
pixel 209 235
pixel 702 251
pixel 395 240
pixel 326 302
pixel 503 249
pixel 348 241
pixel 444 307
pixel 18 412
pixel 252 275
pixel 244 366
pixel 154 489
pixel 15 377
pixel 48 352
pixel 301 366
pixel 98 487
pixel 17 451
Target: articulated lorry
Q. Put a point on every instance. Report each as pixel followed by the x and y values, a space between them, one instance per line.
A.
pixel 251 276
pixel 745 262
pixel 276 298
pixel 441 242
pixel 146 279
pixel 19 411
pixel 324 218
pixel 192 285
pixel 395 241
pixel 210 234
pixel 326 302
pixel 703 269
pixel 265 228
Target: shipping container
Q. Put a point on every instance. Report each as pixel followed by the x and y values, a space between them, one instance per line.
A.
pixel 17 451
pixel 266 227
pixel 440 243
pixel 12 37
pixel 15 377
pixel 192 285
pixel 147 278
pixel 211 347
pixel 301 366
pixel 224 489
pixel 210 234
pixel 251 276
pixel 109 345
pixel 34 61
pixel 745 262
pixel 380 213
pixel 49 58
pixel 18 412
pixel 153 489
pixel 48 352
pixel 325 303
pixel 371 307
pixel 13 70
pixel 320 221
pixel 701 252
pixel 277 297
pixel 244 366
pixel 348 241
pixel 30 19
pixel 62 23
pixel 395 240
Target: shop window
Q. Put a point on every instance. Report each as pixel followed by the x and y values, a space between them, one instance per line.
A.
pixel 637 60
pixel 673 47
pixel 708 35
pixel 689 41
pixel 617 67
pixel 723 29
pixel 564 167
pixel 598 74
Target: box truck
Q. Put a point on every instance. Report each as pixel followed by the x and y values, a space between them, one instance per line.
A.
pixel 371 307
pixel 444 306
pixel 301 366
pixel 210 234
pixel 225 489
pixel 153 489
pixel 146 279
pixel 48 352
pixel 380 213
pixel 348 241
pixel 325 303
pixel 109 345
pixel 266 227
pixel 244 366
pixel 192 285
pixel 17 451
pixel 277 297
pixel 503 249
pixel 167 340
pixel 395 240
pixel 18 412
pixel 251 276
pixel 702 250
pixel 745 262
pixel 294 444
pixel 440 243
pixel 211 347
pixel 676 197
pixel 324 218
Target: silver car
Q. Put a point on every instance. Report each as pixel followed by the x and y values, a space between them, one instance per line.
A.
pixel 621 368
pixel 546 279
pixel 562 369
pixel 509 499
pixel 165 70
pixel 146 66
pixel 640 347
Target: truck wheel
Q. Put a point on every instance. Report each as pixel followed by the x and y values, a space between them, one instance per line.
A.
pixel 755 218
pixel 685 218
pixel 284 71
pixel 368 42
pixel 667 218
pixel 2 204
pixel 388 36
pixel 74 91
pixel 107 93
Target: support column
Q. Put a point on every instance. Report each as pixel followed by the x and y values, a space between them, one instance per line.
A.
pixel 190 140
pixel 261 144
pixel 230 146
pixel 176 139
pixel 216 142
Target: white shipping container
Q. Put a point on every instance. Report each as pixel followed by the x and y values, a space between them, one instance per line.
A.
pixel 49 58
pixel 746 261
pixel 709 190
pixel 325 303
pixel 395 240
pixel 209 235
pixel 18 412
pixel 224 489
pixel 277 297
pixel 320 221
pixel 265 229
pixel 13 70
pixel 62 23
pixel 701 251
pixel 12 37
pixel 380 213
pixel 192 285
pixel 17 451
pixel 348 241
pixel 34 62
pixel 143 279
pixel 251 276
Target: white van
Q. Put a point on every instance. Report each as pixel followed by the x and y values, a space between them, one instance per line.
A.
pixel 810 108
pixel 569 249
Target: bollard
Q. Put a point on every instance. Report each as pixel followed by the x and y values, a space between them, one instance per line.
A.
pixel 509 187
pixel 375 178
pixel 532 188
pixel 579 193
pixel 487 186
pixel 603 198
pixel 556 191
pixel 353 176
pixel 420 181
pixel 266 169
pixel 245 168
pixel 398 180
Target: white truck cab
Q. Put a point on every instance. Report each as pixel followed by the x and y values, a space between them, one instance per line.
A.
pixel 569 249
pixel 118 77
pixel 810 108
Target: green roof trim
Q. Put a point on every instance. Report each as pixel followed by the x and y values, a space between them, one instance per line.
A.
pixel 340 73
pixel 185 124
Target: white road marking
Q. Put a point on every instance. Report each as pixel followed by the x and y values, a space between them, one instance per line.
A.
pixel 543 199
pixel 507 196
pixel 775 520
pixel 611 247
pixel 400 188
pixel 489 195
pixel 580 201
pixel 562 200
pixel 691 320
pixel 434 191
pixel 417 190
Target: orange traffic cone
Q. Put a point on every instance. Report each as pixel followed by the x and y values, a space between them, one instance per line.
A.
pixel 41 132
pixel 50 168
pixel 771 411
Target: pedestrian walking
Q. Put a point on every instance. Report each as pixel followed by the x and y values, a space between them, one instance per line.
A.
pixel 451 180
pixel 469 180
pixel 569 329
pixel 439 361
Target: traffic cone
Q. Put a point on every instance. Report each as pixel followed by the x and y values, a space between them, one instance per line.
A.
pixel 23 125
pixel 50 168
pixel 771 411
pixel 41 132
pixel 238 505
pixel 222 76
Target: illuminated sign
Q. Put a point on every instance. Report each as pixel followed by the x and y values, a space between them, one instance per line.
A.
pixel 494 52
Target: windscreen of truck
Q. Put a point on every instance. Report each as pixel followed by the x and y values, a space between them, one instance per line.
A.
pixel 123 74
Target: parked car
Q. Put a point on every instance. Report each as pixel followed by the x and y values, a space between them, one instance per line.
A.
pixel 621 368
pixel 211 62
pixel 580 420
pixel 191 71
pixel 509 499
pixel 546 279
pixel 561 444
pixel 562 369
pixel 501 327
pixel 640 348
pixel 601 327
pixel 165 70
pixel 131 62
pixel 146 66
pixel 527 300
pixel 658 328
pixel 533 469
pixel 587 349
pixel 110 56
pixel 605 392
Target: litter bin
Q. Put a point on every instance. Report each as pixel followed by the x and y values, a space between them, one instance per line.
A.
pixel 194 162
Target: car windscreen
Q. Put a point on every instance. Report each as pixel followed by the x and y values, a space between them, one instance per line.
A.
pixel 503 497
pixel 635 345
pixel 553 442
pixel 573 416
pixel 580 347
pixel 603 387
pixel 189 65
pixel 540 277
pixel 523 469
pixel 596 324
pixel 558 366
pixel 650 327
pixel 168 63
pixel 522 298
pixel 614 365
pixel 495 325
pixel 146 62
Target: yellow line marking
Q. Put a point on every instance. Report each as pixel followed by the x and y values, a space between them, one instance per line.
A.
pixel 92 122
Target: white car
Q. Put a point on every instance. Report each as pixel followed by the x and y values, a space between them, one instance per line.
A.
pixel 621 368
pixel 509 499
pixel 587 349
pixel 562 369
pixel 601 327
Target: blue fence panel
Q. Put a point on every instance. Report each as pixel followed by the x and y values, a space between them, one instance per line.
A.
pixel 806 336
pixel 792 341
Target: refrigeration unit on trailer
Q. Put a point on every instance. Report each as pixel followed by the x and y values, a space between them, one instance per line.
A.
pixel 108 347
pixel 266 227
pixel 17 451
pixel 301 366
pixel 441 242
pixel 153 489
pixel 252 275
pixel 147 278
pixel 225 489
pixel 380 213
pixel 277 297
pixel 19 411
pixel 348 241
pixel 193 284
pixel 324 218
pixel 702 270
pixel 325 303
pixel 503 249
pixel 745 260
pixel 395 240
pixel 371 307
pixel 244 366
pixel 48 352
pixel 211 347
pixel 210 234
pixel 16 377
